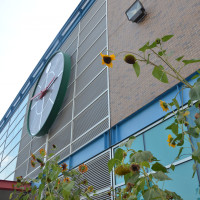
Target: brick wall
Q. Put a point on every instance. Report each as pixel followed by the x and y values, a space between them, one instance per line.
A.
pixel 179 17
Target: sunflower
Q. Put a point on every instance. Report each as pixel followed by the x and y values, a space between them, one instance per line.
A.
pixel 90 188
pixel 107 60
pixel 169 140
pixel 32 163
pixel 42 152
pixel 33 156
pixel 67 179
pixel 83 168
pixel 134 168
pixel 186 113
pixel 64 167
pixel 164 106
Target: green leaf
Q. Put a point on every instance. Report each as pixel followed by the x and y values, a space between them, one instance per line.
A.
pixel 161 176
pixel 130 142
pixel 189 103
pixel 134 178
pixel 161 53
pixel 153 45
pixel 11 194
pixel 145 47
pixel 136 67
pixel 158 167
pixel 126 177
pixel 112 163
pixel 195 76
pixel 142 156
pixel 176 103
pixel 174 128
pixel 119 154
pixel 166 38
pixel 179 153
pixel 186 62
pixel 194 167
pixel 172 167
pixel 179 58
pixel 151 194
pixel 159 74
pixel 194 93
pixel 193 131
pixel 145 164
pixel 148 59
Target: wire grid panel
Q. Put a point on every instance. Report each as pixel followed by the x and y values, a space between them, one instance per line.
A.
pixel 37 142
pixel 91 116
pixel 98 175
pixel 37 154
pixel 94 50
pixel 70 40
pixel 90 135
pixel 69 95
pixel 63 118
pixel 89 41
pixel 61 140
pixel 91 92
pixel 93 22
pixel 91 13
pixel 35 173
pixel 21 171
pixel 23 155
pixel 89 73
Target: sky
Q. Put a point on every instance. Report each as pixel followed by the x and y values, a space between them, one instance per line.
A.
pixel 27 28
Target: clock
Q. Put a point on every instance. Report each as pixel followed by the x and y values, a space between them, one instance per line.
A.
pixel 48 94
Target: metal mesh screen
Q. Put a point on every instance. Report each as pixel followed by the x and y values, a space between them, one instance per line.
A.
pixel 91 116
pixel 91 38
pixel 37 142
pixel 35 173
pixel 93 22
pixel 62 119
pixel 90 135
pixel 90 14
pixel 61 140
pixel 24 141
pixel 69 95
pixel 95 50
pixel 21 171
pixel 90 72
pixel 91 92
pixel 23 155
pixel 99 167
pixel 70 40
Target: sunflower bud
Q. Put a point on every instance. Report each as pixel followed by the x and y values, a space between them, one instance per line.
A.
pixel 186 123
pixel 157 41
pixel 130 59
pixel 122 170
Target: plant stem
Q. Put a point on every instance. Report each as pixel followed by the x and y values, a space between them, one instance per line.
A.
pixel 174 70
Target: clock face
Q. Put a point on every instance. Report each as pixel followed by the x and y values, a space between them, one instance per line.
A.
pixel 49 94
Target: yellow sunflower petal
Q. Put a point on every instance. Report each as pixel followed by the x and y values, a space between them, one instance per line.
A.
pixel 112 57
pixel 102 55
pixel 103 63
pixel 110 64
pixel 186 113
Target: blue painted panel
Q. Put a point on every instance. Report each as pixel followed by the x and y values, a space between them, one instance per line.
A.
pixel 87 152
pixel 142 118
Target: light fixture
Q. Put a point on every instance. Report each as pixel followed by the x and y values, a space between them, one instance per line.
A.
pixel 136 12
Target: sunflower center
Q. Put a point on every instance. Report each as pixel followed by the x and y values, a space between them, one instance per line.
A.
pixel 107 59
pixel 165 105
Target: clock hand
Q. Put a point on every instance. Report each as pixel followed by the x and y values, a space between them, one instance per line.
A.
pixel 43 92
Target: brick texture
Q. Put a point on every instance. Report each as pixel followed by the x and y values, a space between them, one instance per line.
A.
pixel 179 17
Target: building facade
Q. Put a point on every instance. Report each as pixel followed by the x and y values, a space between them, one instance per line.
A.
pixel 104 107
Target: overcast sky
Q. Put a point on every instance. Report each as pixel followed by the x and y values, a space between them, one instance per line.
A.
pixel 27 28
